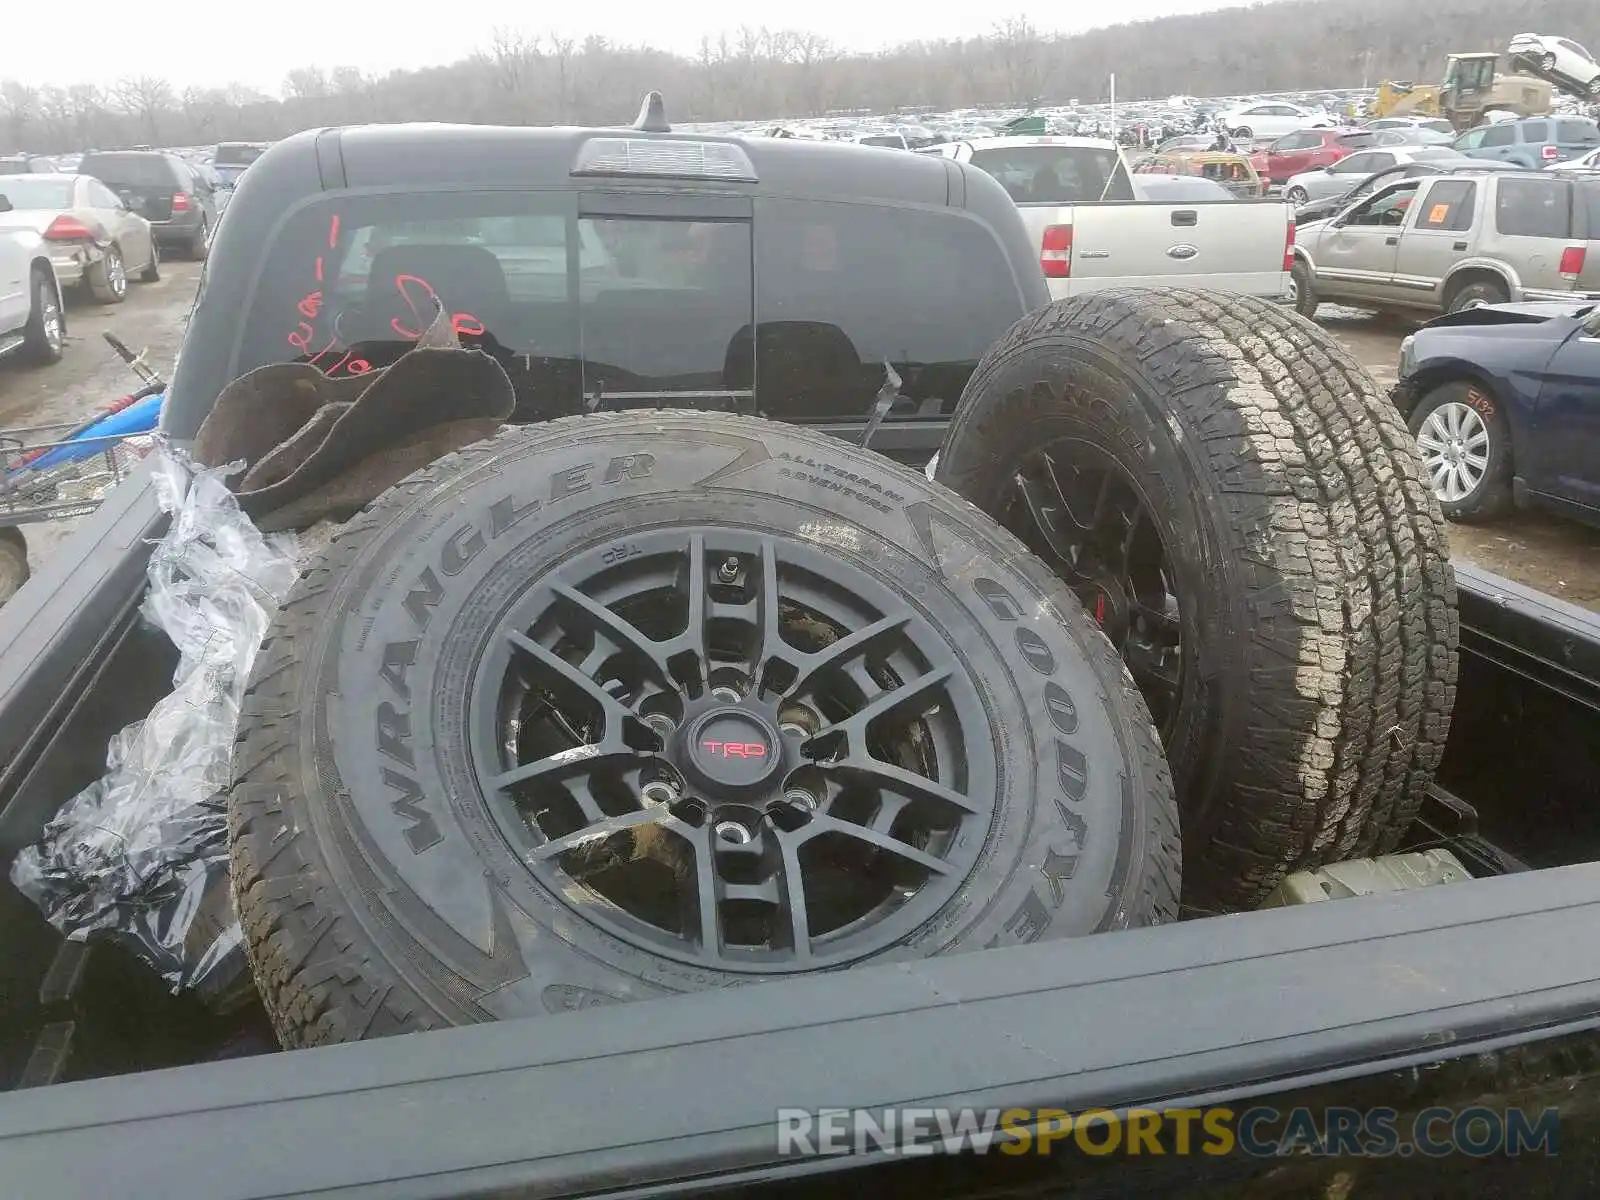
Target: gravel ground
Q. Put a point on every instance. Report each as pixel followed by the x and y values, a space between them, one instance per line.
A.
pixel 1549 553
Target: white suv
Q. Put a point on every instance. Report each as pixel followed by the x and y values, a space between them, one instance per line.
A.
pixel 1560 60
pixel 32 320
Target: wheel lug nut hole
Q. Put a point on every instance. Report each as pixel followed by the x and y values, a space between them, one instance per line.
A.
pixel 797 720
pixel 728 686
pixel 659 791
pixel 733 833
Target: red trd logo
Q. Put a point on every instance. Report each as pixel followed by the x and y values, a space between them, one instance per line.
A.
pixel 735 749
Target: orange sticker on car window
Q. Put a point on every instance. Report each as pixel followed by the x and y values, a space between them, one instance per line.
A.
pixel 1438 214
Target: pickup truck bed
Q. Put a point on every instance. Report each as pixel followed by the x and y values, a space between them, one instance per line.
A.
pixel 1333 1003
pixel 1096 228
pixel 1495 957
pixel 1527 722
pixel 1223 245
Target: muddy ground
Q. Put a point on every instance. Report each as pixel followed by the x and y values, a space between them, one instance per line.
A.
pixel 1549 553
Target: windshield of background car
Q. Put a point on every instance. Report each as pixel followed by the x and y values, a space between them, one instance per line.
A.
pixel 129 170
pixel 631 308
pixel 233 154
pixel 32 192
pixel 1052 174
pixel 1231 170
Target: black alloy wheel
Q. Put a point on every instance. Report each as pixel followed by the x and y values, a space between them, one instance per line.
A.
pixel 690 748
pixel 1081 512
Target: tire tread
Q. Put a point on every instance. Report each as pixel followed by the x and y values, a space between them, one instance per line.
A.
pixel 1318 486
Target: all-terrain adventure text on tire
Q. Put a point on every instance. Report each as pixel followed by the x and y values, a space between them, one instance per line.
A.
pixel 1229 494
pixel 635 704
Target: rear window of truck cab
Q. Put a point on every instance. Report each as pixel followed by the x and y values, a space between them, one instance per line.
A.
pixel 794 310
pixel 1055 174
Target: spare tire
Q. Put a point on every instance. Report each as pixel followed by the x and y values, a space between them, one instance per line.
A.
pixel 628 705
pixel 1229 493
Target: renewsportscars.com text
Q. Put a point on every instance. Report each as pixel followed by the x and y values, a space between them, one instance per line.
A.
pixel 1261 1132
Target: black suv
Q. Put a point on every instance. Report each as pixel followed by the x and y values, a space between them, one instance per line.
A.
pixel 179 203
pixel 612 271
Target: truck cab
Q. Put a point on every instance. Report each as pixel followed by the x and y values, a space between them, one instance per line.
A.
pixel 1472 86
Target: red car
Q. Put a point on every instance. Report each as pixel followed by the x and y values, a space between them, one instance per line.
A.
pixel 1305 150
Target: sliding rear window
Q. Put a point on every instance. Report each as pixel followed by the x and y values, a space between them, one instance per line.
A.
pixel 610 309
pixel 1050 174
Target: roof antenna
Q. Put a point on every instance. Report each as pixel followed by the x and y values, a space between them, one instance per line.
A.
pixel 652 116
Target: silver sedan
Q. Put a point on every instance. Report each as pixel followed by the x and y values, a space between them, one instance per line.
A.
pixel 1327 182
pixel 94 240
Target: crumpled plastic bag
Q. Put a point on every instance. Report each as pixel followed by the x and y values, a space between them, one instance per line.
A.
pixel 141 856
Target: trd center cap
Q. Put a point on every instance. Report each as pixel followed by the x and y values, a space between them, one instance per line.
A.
pixel 731 748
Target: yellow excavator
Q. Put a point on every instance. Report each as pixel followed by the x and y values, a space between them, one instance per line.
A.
pixel 1472 85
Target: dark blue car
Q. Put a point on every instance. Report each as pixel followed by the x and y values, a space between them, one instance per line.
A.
pixel 1504 402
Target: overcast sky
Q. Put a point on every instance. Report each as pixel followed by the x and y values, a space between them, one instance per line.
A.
pixel 217 43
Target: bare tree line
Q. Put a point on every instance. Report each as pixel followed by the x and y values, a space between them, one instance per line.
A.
pixel 526 76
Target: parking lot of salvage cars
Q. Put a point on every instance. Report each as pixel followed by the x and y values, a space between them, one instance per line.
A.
pixel 1547 552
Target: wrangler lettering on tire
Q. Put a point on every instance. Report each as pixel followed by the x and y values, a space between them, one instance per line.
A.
pixel 1243 513
pixel 610 708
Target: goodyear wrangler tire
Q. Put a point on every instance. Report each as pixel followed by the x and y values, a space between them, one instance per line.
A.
pixel 1229 493
pixel 630 705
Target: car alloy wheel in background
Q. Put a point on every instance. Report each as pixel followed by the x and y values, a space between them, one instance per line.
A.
pixel 1464 442
pixel 1454 443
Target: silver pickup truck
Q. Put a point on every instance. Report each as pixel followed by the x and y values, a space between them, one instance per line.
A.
pixel 1445 243
pixel 1097 224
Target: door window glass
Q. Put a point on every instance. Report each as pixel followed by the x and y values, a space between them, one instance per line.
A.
pixel 1449 205
pixel 1387 208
